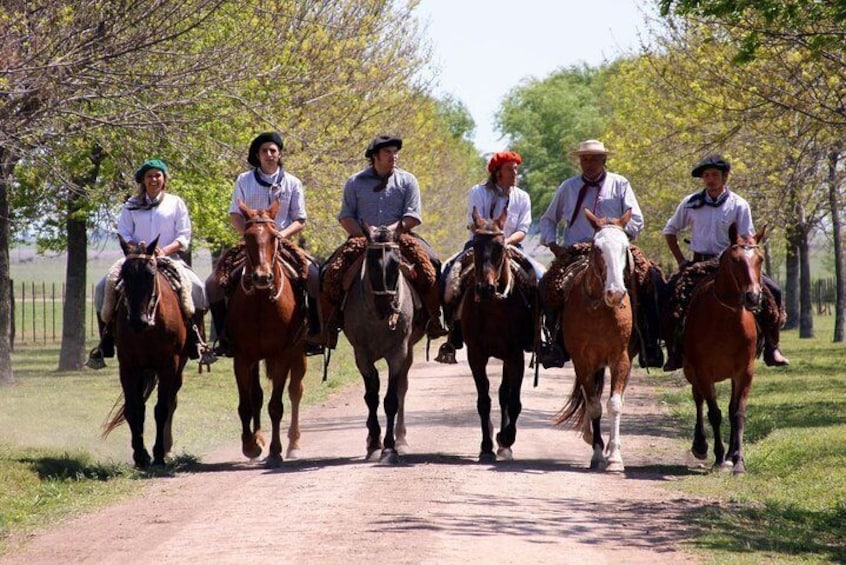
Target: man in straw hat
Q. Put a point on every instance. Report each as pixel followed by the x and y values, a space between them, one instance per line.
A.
pixel 607 195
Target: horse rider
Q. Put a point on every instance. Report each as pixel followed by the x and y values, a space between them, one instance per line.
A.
pixel 149 213
pixel 610 195
pixel 499 192
pixel 708 214
pixel 266 182
pixel 382 194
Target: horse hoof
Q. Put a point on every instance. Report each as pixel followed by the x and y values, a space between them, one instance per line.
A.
pixel 251 452
pixel 598 464
pixel 699 453
pixel 273 462
pixel 505 454
pixel 487 457
pixel 403 449
pixel 293 454
pixel 615 467
pixel 723 467
pixel 389 457
pixel 372 455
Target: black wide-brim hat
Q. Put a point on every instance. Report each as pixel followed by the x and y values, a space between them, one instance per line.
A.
pixel 711 162
pixel 381 141
pixel 272 136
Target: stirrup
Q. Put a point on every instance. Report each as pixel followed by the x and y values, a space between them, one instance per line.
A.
pixel 446 354
pixel 206 355
pixel 434 329
pixel 95 360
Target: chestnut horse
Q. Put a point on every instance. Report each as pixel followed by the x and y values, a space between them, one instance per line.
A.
pixel 497 320
pixel 379 322
pixel 150 335
pixel 265 321
pixel 597 325
pixel 720 341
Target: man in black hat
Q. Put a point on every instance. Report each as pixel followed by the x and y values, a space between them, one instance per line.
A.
pixel 266 182
pixel 383 195
pixel 708 214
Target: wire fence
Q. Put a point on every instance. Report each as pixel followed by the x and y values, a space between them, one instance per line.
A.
pixel 37 313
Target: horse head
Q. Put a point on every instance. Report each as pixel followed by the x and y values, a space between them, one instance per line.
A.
pixel 261 244
pixel 610 250
pixel 382 261
pixel 739 273
pixel 140 283
pixel 490 261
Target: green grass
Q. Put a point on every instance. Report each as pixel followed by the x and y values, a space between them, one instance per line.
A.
pixel 790 506
pixel 53 462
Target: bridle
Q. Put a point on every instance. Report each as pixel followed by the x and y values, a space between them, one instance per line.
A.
pixel 745 247
pixel 155 295
pixel 246 285
pixel 386 248
pixel 494 231
pixel 593 301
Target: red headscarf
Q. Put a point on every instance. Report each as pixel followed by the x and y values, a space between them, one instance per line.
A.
pixel 501 158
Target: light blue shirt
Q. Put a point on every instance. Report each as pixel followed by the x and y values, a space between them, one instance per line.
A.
pixel 490 203
pixel 168 221
pixel 611 200
pixel 285 187
pixel 400 198
pixel 709 225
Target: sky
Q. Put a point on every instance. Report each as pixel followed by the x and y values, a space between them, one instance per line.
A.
pixel 484 48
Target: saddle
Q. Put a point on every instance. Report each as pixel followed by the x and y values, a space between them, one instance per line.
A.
pixel 462 274
pixel 231 265
pixel 172 271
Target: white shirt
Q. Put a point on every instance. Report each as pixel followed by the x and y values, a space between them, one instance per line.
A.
pixel 490 203
pixel 611 200
pixel 709 225
pixel 285 187
pixel 168 221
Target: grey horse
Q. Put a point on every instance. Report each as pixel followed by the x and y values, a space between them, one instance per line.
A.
pixel 379 322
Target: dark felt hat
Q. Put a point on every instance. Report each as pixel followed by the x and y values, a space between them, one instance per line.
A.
pixel 150 164
pixel 262 138
pixel 381 141
pixel 711 162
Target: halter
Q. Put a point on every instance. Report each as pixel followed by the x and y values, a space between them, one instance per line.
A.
pixel 385 247
pixel 596 302
pixel 155 295
pixel 273 262
pixel 493 230
pixel 745 247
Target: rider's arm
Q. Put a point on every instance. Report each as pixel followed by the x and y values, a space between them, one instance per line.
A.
pixel 673 244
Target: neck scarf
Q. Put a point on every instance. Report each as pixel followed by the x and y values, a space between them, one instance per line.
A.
pixel 587 183
pixel 276 176
pixel 702 199
pixel 144 202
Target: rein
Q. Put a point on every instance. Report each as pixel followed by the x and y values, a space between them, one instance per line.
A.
pixel 597 302
pixel 274 261
pixel 745 247
pixel 155 296
pixel 509 284
pixel 386 248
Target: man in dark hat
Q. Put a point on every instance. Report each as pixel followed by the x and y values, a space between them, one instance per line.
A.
pixel 383 195
pixel 266 182
pixel 708 214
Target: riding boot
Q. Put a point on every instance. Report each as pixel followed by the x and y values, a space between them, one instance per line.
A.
pixel 675 358
pixel 223 348
pixel 197 346
pixel 552 352
pixel 313 346
pixel 773 356
pixel 432 304
pixel 651 354
pixel 106 347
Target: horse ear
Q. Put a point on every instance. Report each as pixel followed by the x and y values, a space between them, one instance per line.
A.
pixel 365 229
pixel 733 233
pixel 475 216
pixel 592 219
pixel 245 210
pixel 123 245
pixel 151 249
pixel 761 236
pixel 500 222
pixel 624 219
pixel 274 209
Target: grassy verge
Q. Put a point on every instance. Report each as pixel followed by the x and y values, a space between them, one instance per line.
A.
pixel 53 462
pixel 790 506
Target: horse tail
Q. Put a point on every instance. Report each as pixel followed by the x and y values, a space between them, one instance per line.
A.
pixel 576 406
pixel 117 415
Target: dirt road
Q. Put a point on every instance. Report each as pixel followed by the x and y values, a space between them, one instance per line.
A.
pixel 437 506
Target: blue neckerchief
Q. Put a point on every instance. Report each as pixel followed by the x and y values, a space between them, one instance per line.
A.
pixel 266 184
pixel 702 199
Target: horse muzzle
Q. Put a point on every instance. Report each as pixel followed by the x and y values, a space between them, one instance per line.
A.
pixel 751 300
pixel 613 298
pixel 262 280
pixel 485 290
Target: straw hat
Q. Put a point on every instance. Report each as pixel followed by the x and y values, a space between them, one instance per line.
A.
pixel 590 147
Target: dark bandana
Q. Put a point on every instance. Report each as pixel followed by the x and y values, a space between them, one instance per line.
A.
pixel 701 199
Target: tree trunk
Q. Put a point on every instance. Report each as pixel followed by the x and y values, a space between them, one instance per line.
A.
pixel 72 355
pixel 791 281
pixel 806 306
pixel 7 165
pixel 836 230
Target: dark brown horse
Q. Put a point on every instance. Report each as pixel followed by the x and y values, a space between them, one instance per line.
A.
pixel 265 321
pixel 720 340
pixel 150 334
pixel 381 322
pixel 496 321
pixel 597 325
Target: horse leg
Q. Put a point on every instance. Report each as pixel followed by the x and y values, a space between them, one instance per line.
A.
pixel 391 405
pixel 737 417
pixel 295 394
pixel 277 371
pixel 402 388
pixel 700 442
pixel 715 416
pixel 168 430
pixel 593 418
pixel 246 375
pixel 165 406
pixel 133 385
pixel 619 379
pixel 371 399
pixel 478 365
pixel 510 406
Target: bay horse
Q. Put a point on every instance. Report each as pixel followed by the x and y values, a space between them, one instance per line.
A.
pixel 265 321
pixel 497 320
pixel 720 342
pixel 379 322
pixel 150 335
pixel 597 325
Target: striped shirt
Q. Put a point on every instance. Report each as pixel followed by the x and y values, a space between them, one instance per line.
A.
pixel 284 187
pixel 400 198
pixel 490 203
pixel 168 221
pixel 709 225
pixel 611 200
